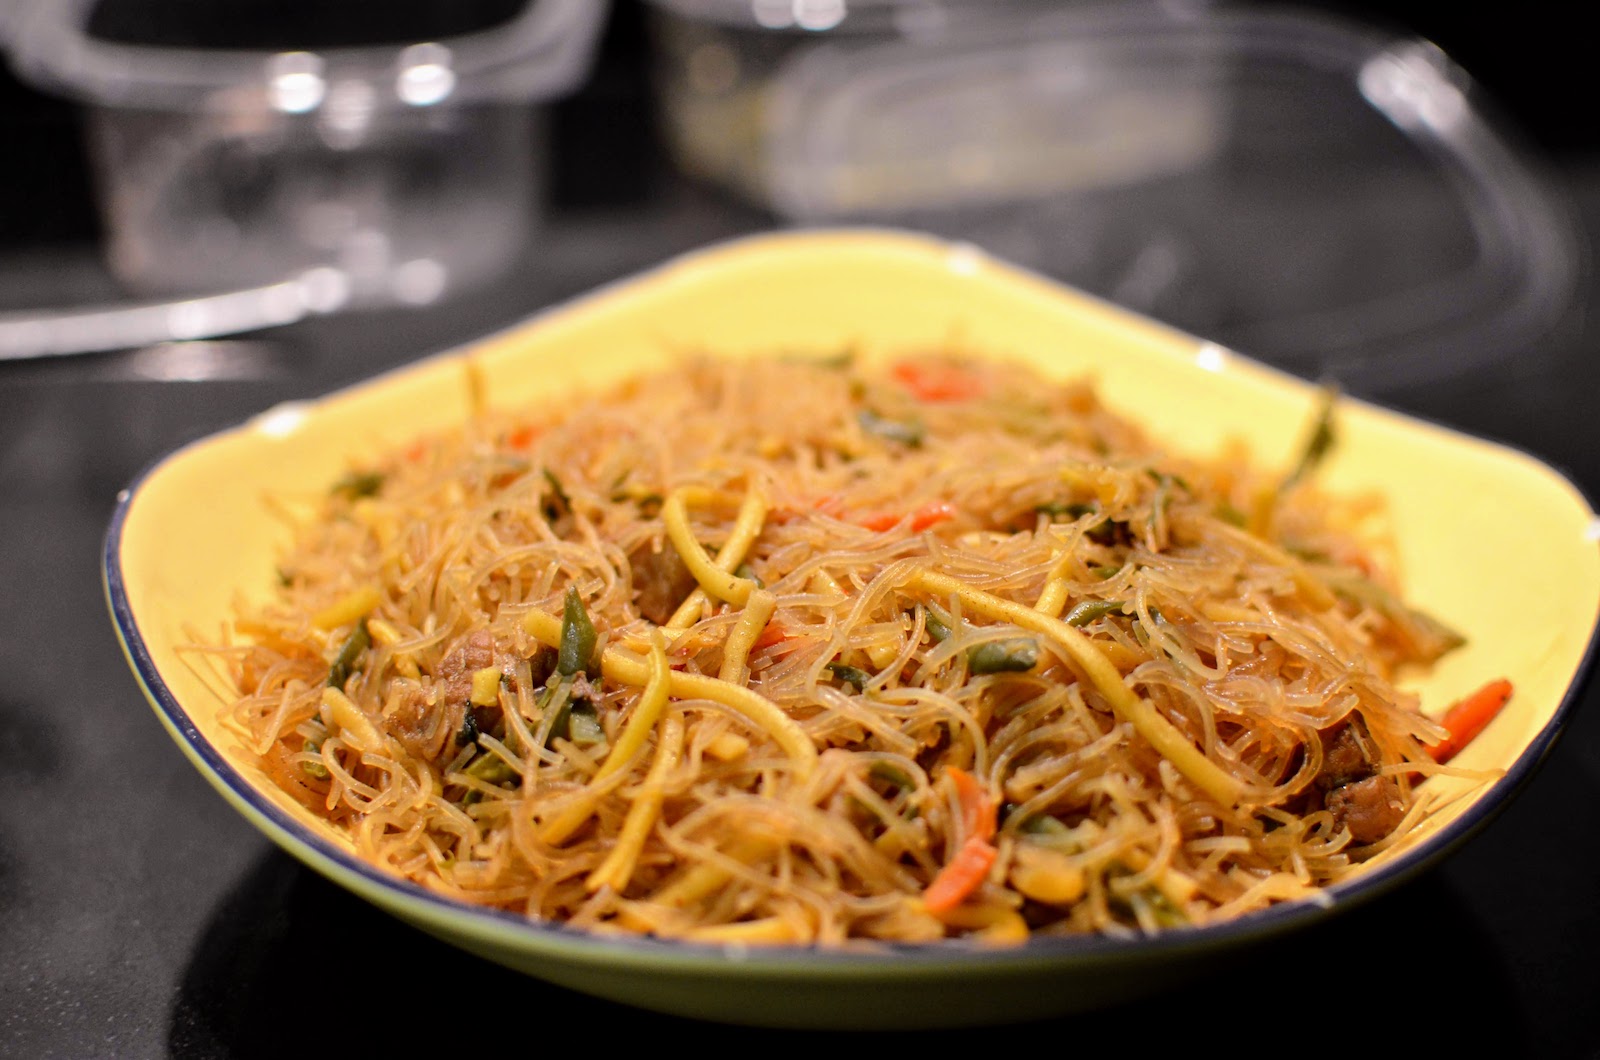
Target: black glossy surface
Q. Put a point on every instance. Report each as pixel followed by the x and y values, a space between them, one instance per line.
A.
pixel 140 916
pixel 278 24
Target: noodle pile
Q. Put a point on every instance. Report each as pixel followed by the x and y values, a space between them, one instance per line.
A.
pixel 816 651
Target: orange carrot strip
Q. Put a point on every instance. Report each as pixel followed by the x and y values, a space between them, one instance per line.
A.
pixel 1469 717
pixel 961 876
pixel 522 437
pixel 880 522
pixel 937 380
pixel 931 514
pixel 773 634
pixel 977 808
pixel 924 517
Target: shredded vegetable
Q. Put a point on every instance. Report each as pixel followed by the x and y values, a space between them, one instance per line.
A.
pixel 779 652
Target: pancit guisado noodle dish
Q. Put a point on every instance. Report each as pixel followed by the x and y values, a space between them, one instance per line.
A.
pixel 826 651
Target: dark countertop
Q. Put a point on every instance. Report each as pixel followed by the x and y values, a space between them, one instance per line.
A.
pixel 140 916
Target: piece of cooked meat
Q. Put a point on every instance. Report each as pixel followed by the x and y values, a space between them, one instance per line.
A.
pixel 1368 805
pixel 470 655
pixel 427 725
pixel 1370 808
pixel 421 727
pixel 661 581
pixel 1344 758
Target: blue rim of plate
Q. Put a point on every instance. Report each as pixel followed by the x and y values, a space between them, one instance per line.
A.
pixel 788 962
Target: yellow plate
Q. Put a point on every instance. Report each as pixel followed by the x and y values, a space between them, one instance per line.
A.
pixel 1470 519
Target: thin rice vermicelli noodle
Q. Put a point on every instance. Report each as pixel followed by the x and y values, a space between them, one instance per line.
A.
pixel 816 651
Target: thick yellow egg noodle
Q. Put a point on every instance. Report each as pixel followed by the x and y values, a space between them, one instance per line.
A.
pixel 823 651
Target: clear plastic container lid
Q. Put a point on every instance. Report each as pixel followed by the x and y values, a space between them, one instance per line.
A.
pixel 540 49
pixel 909 17
pixel 259 160
pixel 1324 196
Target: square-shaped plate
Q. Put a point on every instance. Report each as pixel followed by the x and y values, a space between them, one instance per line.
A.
pixel 193 533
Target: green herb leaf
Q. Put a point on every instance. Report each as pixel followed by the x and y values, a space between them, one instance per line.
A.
pixel 891 775
pixel 850 675
pixel 583 724
pixel 1017 655
pixel 344 663
pixel 1087 611
pixel 562 503
pixel 578 636
pixel 314 769
pixel 491 769
pixel 355 484
pixel 1320 440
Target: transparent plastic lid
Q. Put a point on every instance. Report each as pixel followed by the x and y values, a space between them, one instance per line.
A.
pixel 835 16
pixel 517 51
pixel 1321 195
